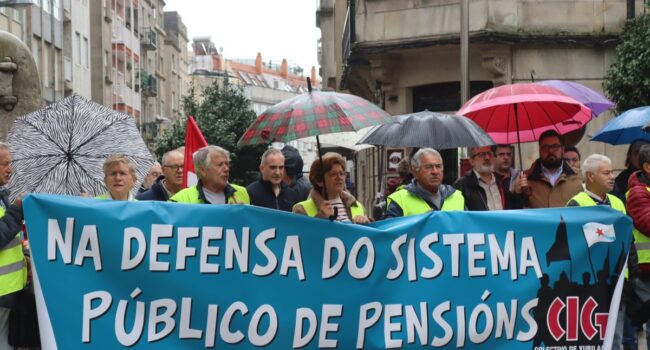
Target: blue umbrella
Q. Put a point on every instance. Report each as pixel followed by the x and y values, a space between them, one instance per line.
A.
pixel 625 128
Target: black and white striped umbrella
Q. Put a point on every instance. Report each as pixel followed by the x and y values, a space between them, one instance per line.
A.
pixel 61 148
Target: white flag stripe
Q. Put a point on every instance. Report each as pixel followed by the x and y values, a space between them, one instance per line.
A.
pixel 597 233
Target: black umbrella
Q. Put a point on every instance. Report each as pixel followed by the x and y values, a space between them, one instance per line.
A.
pixel 61 148
pixel 429 129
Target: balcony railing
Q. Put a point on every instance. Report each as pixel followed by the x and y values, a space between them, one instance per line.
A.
pixel 148 85
pixel 149 39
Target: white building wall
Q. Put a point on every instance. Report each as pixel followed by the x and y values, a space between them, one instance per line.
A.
pixel 80 12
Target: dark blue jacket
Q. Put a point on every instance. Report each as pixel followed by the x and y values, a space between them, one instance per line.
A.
pixel 155 193
pixel 262 195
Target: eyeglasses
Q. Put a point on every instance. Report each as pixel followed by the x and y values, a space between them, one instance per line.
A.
pixel 482 154
pixel 553 147
pixel 174 167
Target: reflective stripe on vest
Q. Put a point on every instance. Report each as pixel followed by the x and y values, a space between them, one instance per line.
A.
pixel 13 270
pixel 585 200
pixel 312 210
pixel 641 242
pixel 414 205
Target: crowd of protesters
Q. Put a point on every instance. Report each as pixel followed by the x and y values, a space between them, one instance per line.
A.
pixel 556 179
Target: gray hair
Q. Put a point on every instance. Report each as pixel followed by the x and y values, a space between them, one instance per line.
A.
pixel 591 163
pixel 119 159
pixel 168 154
pixel 203 155
pixel 270 152
pixel 417 157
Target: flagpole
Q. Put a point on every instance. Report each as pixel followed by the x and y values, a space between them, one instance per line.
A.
pixel 590 262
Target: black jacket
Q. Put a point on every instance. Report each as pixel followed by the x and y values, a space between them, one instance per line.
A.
pixel 476 198
pixel 293 167
pixel 156 193
pixel 262 195
pixel 620 183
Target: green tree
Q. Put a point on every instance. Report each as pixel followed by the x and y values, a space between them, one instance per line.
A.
pixel 628 79
pixel 223 113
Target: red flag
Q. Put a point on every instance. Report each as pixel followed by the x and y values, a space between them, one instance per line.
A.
pixel 193 142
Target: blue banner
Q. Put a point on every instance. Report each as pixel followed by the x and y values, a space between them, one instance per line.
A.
pixel 113 275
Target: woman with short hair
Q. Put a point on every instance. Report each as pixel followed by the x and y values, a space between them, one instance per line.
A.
pixel 119 177
pixel 339 205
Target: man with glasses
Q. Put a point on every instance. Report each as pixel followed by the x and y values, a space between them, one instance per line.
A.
pixel 503 170
pixel 572 157
pixel 480 187
pixel 426 192
pixel 171 180
pixel 551 181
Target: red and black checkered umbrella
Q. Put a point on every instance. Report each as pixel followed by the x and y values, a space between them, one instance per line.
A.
pixel 312 114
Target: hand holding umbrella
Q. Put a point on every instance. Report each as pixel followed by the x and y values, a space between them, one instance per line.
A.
pixel 312 114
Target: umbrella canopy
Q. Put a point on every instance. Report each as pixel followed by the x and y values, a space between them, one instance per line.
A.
pixel 312 114
pixel 625 128
pixel 588 97
pixel 522 112
pixel 61 148
pixel 347 140
pixel 429 129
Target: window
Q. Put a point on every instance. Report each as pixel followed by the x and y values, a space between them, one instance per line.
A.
pixel 46 66
pixel 77 59
pixel 56 9
pixel 36 51
pixel 84 54
pixel 46 6
pixel 56 70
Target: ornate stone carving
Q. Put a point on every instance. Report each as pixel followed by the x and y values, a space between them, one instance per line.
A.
pixel 7 99
pixel 497 63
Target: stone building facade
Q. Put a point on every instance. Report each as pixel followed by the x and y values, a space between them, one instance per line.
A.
pixel 405 56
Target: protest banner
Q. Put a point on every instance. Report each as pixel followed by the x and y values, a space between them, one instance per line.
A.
pixel 113 275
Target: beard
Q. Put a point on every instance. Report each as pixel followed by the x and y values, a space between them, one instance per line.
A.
pixel 483 169
pixel 552 162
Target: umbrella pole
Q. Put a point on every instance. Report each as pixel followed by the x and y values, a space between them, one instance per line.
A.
pixel 521 168
pixel 322 171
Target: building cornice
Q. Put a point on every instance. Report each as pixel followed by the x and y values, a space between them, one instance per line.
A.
pixel 360 50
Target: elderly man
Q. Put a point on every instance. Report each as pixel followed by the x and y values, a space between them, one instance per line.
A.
pixel 170 182
pixel 551 182
pixel 154 172
pixel 426 192
pixel 212 165
pixel 13 267
pixel 270 191
pixel 599 181
pixel 480 187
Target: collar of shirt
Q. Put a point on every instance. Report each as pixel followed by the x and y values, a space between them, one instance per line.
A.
pixel 552 175
pixel 493 180
pixel 596 197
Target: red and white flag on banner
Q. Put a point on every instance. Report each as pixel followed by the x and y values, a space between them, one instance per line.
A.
pixel 193 142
